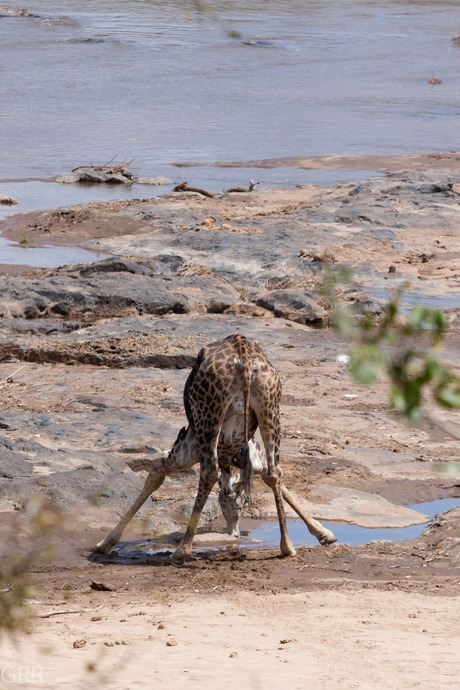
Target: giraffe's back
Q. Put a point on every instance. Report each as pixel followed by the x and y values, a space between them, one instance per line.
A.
pixel 228 375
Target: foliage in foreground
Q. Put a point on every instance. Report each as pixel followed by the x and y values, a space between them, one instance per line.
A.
pixel 24 550
pixel 392 345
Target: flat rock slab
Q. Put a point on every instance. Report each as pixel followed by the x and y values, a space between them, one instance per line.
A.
pixel 271 234
pixel 349 506
pixel 392 465
pixel 171 342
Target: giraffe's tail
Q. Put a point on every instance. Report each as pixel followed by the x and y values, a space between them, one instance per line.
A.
pixel 244 363
pixel 246 474
pixel 246 370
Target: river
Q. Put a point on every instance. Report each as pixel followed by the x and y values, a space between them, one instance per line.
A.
pixel 164 82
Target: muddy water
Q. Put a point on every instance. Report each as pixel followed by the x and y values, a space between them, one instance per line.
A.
pixel 267 533
pixel 264 534
pixel 162 82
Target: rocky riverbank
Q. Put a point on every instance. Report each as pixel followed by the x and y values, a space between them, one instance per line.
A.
pixel 94 356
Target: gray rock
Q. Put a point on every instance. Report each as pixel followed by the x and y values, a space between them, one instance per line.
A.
pixel 91 176
pixel 368 306
pixel 37 326
pixel 75 490
pixel 295 305
pixel 12 464
pixel 68 178
pixel 7 200
pixel 111 288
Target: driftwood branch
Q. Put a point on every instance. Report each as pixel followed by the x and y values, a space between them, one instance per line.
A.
pixel 252 184
pixel 183 187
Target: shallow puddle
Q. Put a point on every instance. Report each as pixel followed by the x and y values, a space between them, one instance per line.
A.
pixel 44 257
pixel 409 300
pixel 268 532
pixel 259 534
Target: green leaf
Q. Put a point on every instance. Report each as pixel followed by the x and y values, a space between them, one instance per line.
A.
pixel 448 397
pixel 344 322
pixel 365 364
pixel 432 319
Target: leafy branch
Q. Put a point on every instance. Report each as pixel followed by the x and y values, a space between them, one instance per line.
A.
pixel 390 345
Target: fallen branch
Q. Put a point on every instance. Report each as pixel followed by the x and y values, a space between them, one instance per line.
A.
pixel 183 187
pixel 252 184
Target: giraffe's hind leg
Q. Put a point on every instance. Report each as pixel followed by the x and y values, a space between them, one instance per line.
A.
pixel 323 535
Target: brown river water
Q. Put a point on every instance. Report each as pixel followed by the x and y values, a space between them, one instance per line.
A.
pixel 162 82
pixel 168 82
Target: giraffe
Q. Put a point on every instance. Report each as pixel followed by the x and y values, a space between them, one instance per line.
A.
pixel 232 389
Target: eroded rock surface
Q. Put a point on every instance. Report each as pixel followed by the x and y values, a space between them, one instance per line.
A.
pixel 93 357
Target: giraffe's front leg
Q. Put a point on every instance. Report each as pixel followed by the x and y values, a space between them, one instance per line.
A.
pixel 181 456
pixel 208 477
pixel 272 477
pixel 154 480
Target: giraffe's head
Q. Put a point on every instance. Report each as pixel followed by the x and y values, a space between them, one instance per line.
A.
pixel 236 485
pixel 232 497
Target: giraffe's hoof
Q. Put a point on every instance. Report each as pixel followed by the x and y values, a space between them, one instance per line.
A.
pixel 327 538
pixel 291 552
pixel 102 548
pixel 105 546
pixel 176 558
pixel 287 549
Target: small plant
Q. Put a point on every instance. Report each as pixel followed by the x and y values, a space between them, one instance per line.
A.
pixel 24 240
pixel 32 542
pixel 409 367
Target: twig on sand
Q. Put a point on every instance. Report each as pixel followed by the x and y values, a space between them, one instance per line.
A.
pixel 10 376
pixel 63 612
